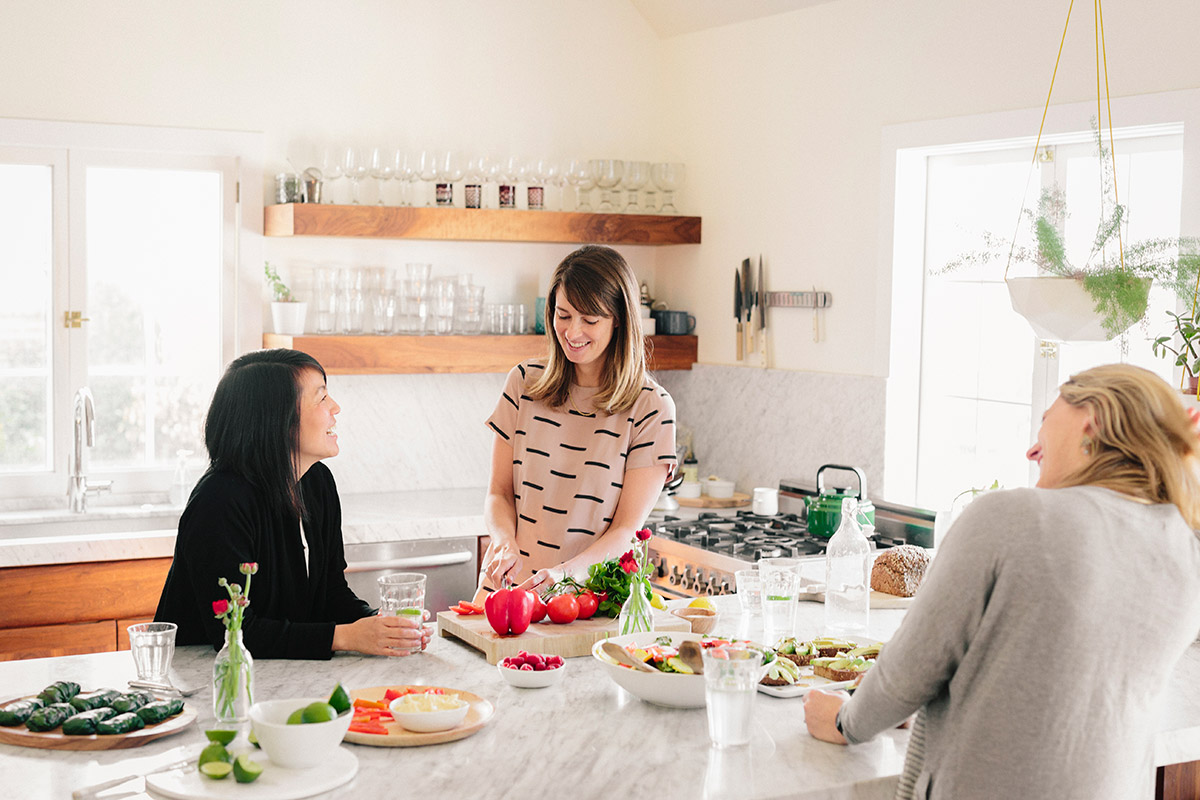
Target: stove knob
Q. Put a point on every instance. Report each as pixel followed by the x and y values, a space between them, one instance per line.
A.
pixel 699 583
pixel 659 564
pixel 725 589
pixel 686 580
pixel 675 576
pixel 710 587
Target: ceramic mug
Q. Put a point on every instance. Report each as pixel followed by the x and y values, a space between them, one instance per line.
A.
pixel 674 323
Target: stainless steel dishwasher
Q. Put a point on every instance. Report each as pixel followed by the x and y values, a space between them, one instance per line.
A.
pixel 451 567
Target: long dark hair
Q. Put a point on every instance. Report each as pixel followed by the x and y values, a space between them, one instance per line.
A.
pixel 253 423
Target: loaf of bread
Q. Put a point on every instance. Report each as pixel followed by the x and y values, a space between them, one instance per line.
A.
pixel 899 570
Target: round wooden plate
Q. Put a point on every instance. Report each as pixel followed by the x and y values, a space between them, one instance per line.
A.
pixel 397 736
pixel 57 740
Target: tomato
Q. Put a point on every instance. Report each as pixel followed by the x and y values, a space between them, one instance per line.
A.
pixel 588 603
pixel 563 608
pixel 539 609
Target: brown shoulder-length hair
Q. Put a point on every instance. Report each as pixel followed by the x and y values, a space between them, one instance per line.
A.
pixel 1143 444
pixel 597 281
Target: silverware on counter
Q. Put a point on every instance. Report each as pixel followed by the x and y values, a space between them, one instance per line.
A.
pixel 164 688
pixel 92 791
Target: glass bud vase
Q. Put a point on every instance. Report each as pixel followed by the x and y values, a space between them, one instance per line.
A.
pixel 233 681
pixel 636 614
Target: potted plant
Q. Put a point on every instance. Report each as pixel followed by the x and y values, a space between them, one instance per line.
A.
pixel 287 313
pixel 1187 329
pixel 1104 296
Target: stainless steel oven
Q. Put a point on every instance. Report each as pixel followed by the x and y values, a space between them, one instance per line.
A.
pixel 451 567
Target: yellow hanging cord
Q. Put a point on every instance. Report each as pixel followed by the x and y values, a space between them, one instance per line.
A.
pixel 1195 294
pixel 1038 143
pixel 1102 51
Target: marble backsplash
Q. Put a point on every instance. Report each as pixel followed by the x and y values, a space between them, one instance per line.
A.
pixel 752 426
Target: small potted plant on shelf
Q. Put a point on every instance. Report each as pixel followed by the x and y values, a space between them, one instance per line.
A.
pixel 1187 355
pixel 287 313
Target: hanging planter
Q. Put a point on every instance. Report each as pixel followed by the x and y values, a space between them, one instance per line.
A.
pixel 1062 309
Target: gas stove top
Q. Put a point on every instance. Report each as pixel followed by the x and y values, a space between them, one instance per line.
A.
pixel 747 536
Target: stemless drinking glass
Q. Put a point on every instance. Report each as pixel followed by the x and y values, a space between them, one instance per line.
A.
pixel 153 646
pixel 780 591
pixel 325 292
pixel 468 310
pixel 403 593
pixel 477 170
pixel 443 305
pixel 749 590
pixel 731 676
pixel 418 293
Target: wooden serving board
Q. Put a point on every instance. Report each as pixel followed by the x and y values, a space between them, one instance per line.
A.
pixel 878 599
pixel 57 740
pixel 569 641
pixel 704 501
pixel 398 736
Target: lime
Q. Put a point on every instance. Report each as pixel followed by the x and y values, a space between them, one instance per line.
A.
pixel 340 700
pixel 215 751
pixel 252 739
pixel 221 736
pixel 245 770
pixel 296 717
pixel 319 711
pixel 216 769
pixel 409 612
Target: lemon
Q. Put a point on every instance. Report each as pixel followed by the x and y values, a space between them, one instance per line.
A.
pixel 216 769
pixel 702 602
pixel 340 700
pixel 214 752
pixel 245 770
pixel 319 711
pixel 657 601
pixel 221 736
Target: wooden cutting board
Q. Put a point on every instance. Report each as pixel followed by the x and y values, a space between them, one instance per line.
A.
pixel 569 641
pixel 397 736
pixel 878 599
pixel 704 501
pixel 57 740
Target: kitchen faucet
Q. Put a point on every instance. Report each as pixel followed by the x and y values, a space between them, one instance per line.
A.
pixel 85 426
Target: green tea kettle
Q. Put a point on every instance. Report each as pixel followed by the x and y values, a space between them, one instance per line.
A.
pixel 825 510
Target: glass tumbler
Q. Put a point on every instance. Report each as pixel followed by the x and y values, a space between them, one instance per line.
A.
pixel 443 305
pixel 749 590
pixel 153 647
pixel 780 592
pixel 731 676
pixel 403 594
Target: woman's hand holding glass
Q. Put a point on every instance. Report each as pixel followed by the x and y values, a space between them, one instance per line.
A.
pixel 383 635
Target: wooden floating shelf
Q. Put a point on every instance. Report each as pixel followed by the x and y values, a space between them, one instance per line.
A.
pixel 477 224
pixel 410 355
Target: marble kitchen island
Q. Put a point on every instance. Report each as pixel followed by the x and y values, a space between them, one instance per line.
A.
pixel 584 738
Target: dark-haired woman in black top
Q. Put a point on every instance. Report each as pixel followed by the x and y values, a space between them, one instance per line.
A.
pixel 266 498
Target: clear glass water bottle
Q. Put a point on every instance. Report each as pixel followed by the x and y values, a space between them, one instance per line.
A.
pixel 848 578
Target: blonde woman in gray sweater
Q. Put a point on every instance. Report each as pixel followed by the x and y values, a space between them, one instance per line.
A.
pixel 1040 645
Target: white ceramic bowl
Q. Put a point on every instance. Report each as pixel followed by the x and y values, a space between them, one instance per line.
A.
pixel 531 678
pixel 718 489
pixel 429 721
pixel 659 688
pixel 296 746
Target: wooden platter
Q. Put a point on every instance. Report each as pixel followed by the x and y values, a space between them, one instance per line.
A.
pixel 21 736
pixel 397 736
pixel 878 599
pixel 738 500
pixel 572 640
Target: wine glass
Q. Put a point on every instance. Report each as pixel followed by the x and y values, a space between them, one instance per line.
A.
pixel 427 171
pixel 356 165
pixel 636 175
pixel 668 178
pixel 491 174
pixel 580 177
pixel 552 175
pixel 383 167
pixel 331 169
pixel 450 168
pixel 607 173
pixel 403 172
pixel 532 177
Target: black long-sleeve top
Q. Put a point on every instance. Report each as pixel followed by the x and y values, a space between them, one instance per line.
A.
pixel 291 614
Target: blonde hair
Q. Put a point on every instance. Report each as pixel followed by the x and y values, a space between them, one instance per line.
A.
pixel 597 281
pixel 1143 443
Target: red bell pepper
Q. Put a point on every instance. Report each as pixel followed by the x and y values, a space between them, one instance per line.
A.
pixel 509 610
pixel 368 727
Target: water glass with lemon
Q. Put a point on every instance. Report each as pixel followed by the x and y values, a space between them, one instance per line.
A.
pixel 403 593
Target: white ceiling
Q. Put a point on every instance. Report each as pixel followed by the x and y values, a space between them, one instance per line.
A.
pixel 674 17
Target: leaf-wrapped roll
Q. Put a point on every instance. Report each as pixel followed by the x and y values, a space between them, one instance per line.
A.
pixel 84 724
pixel 50 717
pixel 131 701
pixel 18 711
pixel 122 723
pixel 97 699
pixel 59 692
pixel 159 710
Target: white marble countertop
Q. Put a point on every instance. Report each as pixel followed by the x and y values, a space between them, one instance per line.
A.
pixel 30 538
pixel 585 737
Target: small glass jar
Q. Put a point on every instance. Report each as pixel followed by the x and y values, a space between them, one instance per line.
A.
pixel 288 188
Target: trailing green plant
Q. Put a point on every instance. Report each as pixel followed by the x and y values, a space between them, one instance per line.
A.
pixel 279 289
pixel 1187 355
pixel 1116 275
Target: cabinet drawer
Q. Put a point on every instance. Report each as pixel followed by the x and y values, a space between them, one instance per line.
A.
pixel 100 590
pixel 42 641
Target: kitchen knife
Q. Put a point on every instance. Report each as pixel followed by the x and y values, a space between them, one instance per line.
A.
pixel 762 313
pixel 747 303
pixel 737 310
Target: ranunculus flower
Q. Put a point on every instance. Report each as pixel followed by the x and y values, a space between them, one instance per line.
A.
pixel 242 601
pixel 643 534
pixel 248 568
pixel 220 607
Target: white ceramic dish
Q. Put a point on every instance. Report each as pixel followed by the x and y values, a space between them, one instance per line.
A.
pixel 429 721
pixel 803 686
pixel 276 783
pixel 718 490
pixel 660 688
pixel 296 746
pixel 531 678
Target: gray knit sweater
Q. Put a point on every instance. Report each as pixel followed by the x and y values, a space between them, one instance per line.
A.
pixel 1039 646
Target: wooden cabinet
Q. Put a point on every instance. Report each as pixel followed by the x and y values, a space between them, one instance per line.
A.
pixel 379 355
pixel 64 609
pixel 478 224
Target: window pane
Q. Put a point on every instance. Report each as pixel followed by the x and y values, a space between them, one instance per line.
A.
pixel 26 252
pixel 154 266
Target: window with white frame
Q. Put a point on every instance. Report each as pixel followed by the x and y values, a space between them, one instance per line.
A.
pixel 119 256
pixel 963 364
